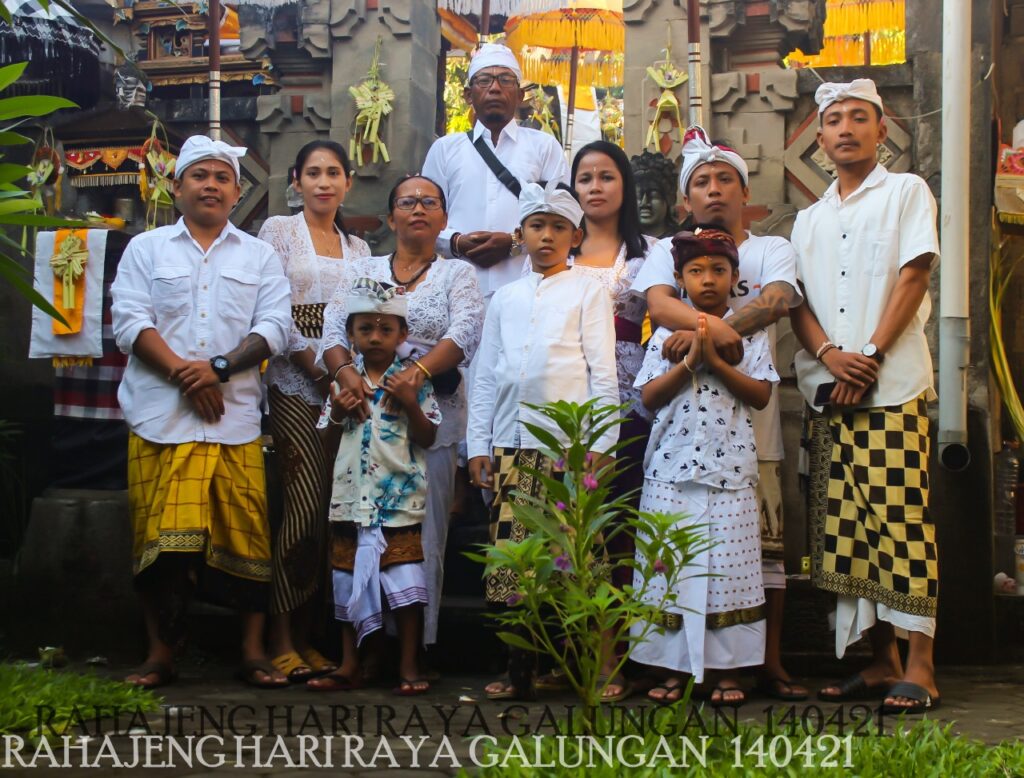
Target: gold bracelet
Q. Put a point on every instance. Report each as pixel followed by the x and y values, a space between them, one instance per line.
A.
pixel 425 371
pixel 340 368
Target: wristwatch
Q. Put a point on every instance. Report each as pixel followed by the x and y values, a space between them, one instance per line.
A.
pixel 871 351
pixel 516 248
pixel 222 368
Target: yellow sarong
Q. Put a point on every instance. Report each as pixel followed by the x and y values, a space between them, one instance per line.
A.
pixel 200 497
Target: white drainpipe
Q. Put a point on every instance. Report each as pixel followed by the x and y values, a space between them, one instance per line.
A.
pixel 954 324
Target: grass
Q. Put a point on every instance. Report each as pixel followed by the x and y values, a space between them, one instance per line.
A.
pixel 24 689
pixel 922 749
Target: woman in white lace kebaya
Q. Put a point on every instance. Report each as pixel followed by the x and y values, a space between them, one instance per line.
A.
pixel 446 314
pixel 314 248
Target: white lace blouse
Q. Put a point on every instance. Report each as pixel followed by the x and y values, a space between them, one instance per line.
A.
pixel 446 304
pixel 313 279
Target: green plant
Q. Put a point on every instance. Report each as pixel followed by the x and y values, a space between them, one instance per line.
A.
pixel 18 208
pixel 25 690
pixel 567 603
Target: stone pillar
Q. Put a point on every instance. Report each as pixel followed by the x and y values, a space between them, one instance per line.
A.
pixel 333 47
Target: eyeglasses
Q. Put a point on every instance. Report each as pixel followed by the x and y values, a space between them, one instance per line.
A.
pixel 408 203
pixel 485 80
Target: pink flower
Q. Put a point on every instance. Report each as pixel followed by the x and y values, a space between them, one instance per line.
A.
pixel 560 464
pixel 659 566
pixel 560 505
pixel 590 482
pixel 562 562
pixel 514 599
pixel 590 457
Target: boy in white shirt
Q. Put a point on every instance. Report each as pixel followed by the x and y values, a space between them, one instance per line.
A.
pixel 548 336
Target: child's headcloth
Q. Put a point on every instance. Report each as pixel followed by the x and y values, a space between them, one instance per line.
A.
pixel 369 296
pixel 549 199
pixel 704 242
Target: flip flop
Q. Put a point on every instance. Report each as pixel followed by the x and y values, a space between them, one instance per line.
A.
pixel 721 702
pixel 293 666
pixel 779 689
pixel 407 687
pixel 617 680
pixel 854 688
pixel 555 681
pixel 164 673
pixel 333 682
pixel 923 700
pixel 669 686
pixel 508 692
pixel 319 664
pixel 247 674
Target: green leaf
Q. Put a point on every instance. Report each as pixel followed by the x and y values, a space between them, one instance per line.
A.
pixel 32 105
pixel 13 273
pixel 517 641
pixel 4 13
pixel 11 73
pixel 9 173
pixel 8 138
pixel 19 206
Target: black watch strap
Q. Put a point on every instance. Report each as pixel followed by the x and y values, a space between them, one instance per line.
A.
pixel 222 368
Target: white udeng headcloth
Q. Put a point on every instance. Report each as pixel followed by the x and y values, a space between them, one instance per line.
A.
pixel 492 55
pixel 550 199
pixel 697 151
pixel 199 147
pixel 369 296
pixel 858 89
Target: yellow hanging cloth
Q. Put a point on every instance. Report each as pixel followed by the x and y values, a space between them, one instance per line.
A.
pixel 70 255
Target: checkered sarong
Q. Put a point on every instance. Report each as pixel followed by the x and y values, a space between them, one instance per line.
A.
pixel 505 527
pixel 872 535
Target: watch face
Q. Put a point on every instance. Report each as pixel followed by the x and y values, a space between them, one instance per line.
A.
pixel 220 363
pixel 869 350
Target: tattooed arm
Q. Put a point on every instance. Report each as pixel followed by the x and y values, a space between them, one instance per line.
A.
pixel 767 308
pixel 198 375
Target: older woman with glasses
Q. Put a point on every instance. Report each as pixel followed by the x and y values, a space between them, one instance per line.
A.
pixel 445 318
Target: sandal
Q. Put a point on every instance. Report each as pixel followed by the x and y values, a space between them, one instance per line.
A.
pixel 507 692
pixel 853 689
pixel 670 686
pixel 317 662
pixel 249 672
pixel 164 675
pixel 555 681
pixel 625 688
pixel 411 687
pixel 721 702
pixel 333 682
pixel 923 700
pixel 779 689
pixel 293 666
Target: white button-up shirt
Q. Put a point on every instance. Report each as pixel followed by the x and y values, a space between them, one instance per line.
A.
pixel 477 200
pixel 764 259
pixel 544 339
pixel 202 304
pixel 849 256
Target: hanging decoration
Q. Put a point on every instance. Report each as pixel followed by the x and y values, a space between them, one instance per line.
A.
pixel 68 265
pixel 553 66
pixel 540 102
pixel 859 32
pixel 669 77
pixel 156 175
pixel 373 98
pixel 102 165
pixel 47 173
pixel 500 7
pixel 587 24
pixel 458 113
pixel 610 109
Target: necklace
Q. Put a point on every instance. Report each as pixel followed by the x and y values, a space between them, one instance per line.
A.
pixel 325 241
pixel 415 278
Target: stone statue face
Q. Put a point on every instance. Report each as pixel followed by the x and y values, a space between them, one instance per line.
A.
pixel 653 206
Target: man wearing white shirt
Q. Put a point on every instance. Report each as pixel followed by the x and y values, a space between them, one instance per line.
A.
pixel 482 211
pixel 866 250
pixel 713 182
pixel 198 305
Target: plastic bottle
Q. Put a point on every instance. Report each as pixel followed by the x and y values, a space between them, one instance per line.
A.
pixel 1007 477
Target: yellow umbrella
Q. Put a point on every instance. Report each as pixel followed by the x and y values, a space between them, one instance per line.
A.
pixel 580 25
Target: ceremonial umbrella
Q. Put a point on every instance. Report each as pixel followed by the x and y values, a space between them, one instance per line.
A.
pixel 576 26
pixel 63 55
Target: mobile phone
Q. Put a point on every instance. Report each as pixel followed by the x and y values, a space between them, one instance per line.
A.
pixel 823 394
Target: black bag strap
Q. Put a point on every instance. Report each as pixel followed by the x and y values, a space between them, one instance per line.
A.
pixel 500 171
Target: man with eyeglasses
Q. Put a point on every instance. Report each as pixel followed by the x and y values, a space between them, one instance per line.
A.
pixel 483 209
